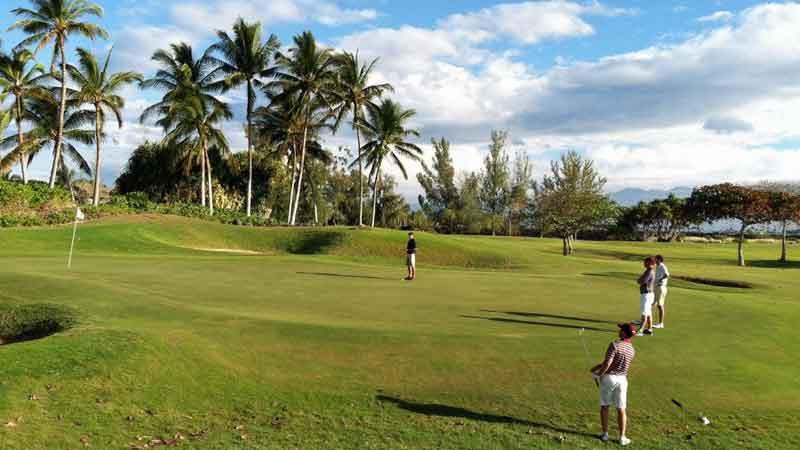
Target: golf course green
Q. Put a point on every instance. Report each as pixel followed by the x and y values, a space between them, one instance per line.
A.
pixel 205 336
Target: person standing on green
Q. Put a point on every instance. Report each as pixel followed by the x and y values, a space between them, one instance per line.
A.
pixel 411 257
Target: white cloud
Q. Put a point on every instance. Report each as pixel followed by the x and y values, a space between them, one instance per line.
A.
pixel 719 16
pixel 203 17
pixel 645 116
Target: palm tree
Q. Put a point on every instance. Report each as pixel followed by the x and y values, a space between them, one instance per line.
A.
pixel 281 126
pixel 43 112
pixel 386 134
pixel 18 79
pixel 304 78
pixel 99 88
pixel 356 93
pixel 183 78
pixel 195 131
pixel 53 21
pixel 245 60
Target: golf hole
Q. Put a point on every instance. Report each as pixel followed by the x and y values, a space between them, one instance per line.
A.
pixel 19 323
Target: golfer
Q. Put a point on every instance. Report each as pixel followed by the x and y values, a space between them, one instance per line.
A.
pixel 662 276
pixel 411 257
pixel 646 296
pixel 613 373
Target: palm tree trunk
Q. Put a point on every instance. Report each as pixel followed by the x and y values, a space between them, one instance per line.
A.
pixel 360 173
pixel 61 110
pixel 741 245
pixel 207 161
pixel 23 156
pixel 375 193
pixel 302 165
pixel 249 147
pixel 784 256
pixel 202 180
pixel 96 196
pixel 293 161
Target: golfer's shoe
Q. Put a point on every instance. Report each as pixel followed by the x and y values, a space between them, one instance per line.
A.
pixel 648 332
pixel 623 441
pixel 658 325
pixel 604 437
pixel 640 333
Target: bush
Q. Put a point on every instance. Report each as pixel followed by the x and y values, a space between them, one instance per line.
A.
pixel 15 196
pixel 26 322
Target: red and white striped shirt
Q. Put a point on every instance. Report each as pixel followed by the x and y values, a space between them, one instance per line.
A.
pixel 620 353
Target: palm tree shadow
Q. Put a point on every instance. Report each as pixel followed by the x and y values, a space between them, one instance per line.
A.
pixel 544 324
pixel 438 410
pixel 344 275
pixel 548 316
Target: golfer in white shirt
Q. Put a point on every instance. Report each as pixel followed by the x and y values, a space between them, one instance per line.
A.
pixel 662 276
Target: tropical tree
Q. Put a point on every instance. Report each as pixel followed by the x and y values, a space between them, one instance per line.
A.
pixel 355 93
pixel 99 88
pixel 44 113
pixel 729 201
pixel 245 60
pixel 185 81
pixel 570 198
pixel 53 22
pixel 441 198
pixel 784 208
pixel 496 186
pixel 386 131
pixel 195 130
pixel 19 75
pixel 286 129
pixel 305 79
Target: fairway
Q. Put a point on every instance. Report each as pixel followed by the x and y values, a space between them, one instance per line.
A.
pixel 207 336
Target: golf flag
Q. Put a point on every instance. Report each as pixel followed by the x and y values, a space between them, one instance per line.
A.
pixel 79 215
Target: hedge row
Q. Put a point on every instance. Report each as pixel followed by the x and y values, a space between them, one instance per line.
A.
pixel 36 205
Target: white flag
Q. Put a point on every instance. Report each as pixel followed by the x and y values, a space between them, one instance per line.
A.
pixel 79 214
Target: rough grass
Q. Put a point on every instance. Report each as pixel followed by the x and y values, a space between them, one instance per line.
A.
pixel 314 343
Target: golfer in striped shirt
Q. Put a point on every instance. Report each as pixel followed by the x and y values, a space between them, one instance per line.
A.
pixel 613 373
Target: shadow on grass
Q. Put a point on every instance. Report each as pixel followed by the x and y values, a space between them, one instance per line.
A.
pixel 314 242
pixel 614 254
pixel 437 410
pixel 685 282
pixel 343 275
pixel 769 264
pixel 549 316
pixel 543 324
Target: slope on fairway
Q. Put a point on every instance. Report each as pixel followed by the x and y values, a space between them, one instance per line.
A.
pixel 310 340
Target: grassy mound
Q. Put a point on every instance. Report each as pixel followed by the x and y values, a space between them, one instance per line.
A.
pixel 33 321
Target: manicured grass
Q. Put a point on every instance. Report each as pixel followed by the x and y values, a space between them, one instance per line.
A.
pixel 311 341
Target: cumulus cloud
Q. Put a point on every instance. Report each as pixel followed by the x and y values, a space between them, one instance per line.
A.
pixel 201 16
pixel 529 22
pixel 727 124
pixel 719 16
pixel 630 111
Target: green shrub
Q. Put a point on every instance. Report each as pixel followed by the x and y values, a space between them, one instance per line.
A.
pixel 25 322
pixel 34 195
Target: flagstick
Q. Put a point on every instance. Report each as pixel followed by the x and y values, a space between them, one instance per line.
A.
pixel 72 245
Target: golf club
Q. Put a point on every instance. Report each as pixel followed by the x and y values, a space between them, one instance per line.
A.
pixel 586 352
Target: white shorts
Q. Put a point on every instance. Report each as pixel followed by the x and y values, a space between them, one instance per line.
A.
pixel 661 295
pixel 614 391
pixel 646 303
pixel 411 260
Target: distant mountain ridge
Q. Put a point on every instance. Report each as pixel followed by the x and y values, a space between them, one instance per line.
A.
pixel 632 196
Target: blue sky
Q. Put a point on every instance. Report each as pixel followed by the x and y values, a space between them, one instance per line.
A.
pixel 659 93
